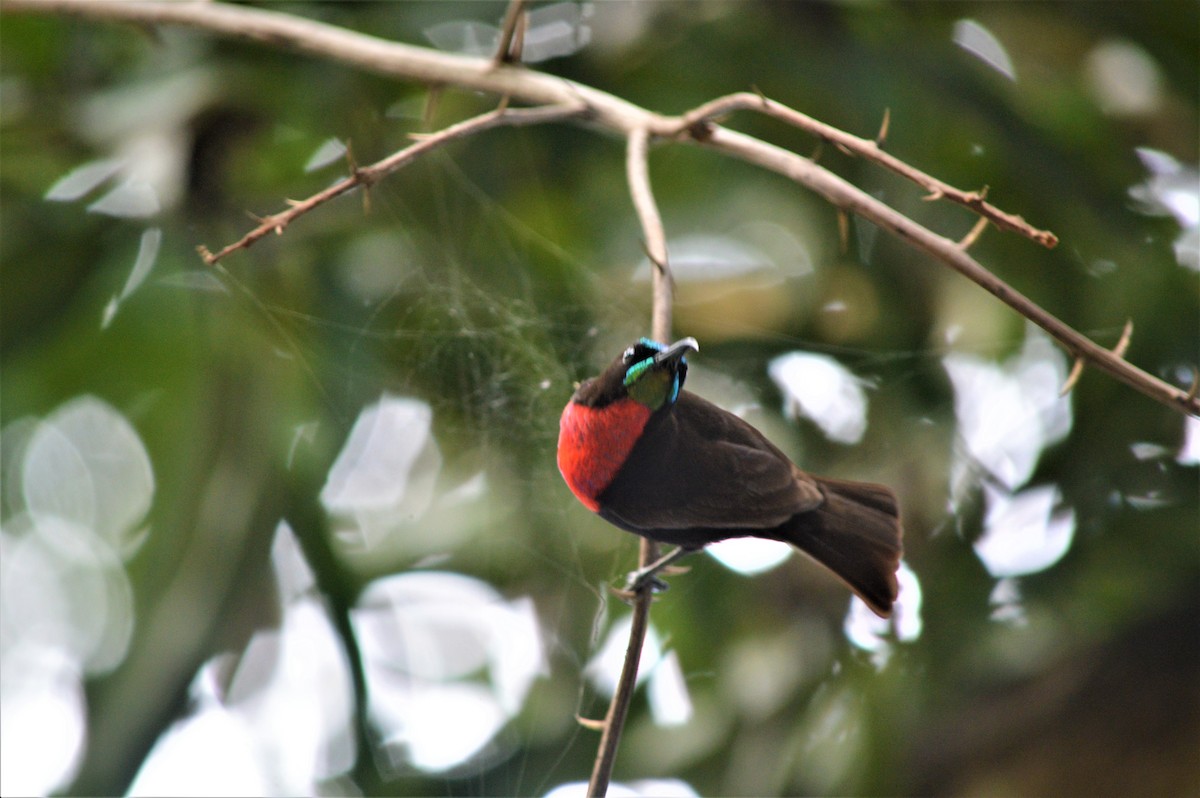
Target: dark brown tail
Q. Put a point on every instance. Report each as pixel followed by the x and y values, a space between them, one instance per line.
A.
pixel 856 534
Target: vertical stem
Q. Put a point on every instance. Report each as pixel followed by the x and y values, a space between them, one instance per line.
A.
pixel 637 171
pixel 618 708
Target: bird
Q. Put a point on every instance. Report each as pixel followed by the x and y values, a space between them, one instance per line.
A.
pixel 664 463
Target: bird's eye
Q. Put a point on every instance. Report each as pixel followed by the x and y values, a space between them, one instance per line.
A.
pixel 628 356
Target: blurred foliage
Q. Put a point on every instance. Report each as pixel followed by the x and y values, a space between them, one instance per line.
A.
pixel 488 277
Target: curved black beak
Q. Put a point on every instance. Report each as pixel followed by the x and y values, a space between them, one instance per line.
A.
pixel 676 351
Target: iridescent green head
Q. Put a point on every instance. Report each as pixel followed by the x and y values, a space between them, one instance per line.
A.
pixel 655 372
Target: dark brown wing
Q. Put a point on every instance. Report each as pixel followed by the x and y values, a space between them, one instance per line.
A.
pixel 698 467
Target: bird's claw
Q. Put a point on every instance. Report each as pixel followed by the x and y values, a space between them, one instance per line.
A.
pixel 646 577
pixel 635 584
pixel 641 579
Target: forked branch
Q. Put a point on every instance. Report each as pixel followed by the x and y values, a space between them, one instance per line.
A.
pixel 611 113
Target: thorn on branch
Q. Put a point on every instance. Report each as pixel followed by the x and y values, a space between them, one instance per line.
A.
pixel 1123 344
pixel 972 236
pixel 1072 378
pixel 881 136
pixel 1118 351
pixel 590 723
pixel 275 222
pixel 627 596
pixel 431 105
pixel 976 199
pixel 363 177
pixel 1194 390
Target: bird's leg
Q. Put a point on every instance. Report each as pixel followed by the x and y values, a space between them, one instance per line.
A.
pixel 649 574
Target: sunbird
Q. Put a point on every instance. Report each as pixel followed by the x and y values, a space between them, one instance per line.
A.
pixel 661 462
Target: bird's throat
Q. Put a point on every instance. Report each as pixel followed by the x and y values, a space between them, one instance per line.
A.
pixel 593 443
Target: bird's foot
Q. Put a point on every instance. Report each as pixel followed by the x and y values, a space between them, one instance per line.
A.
pixel 647 576
pixel 635 583
pixel 644 578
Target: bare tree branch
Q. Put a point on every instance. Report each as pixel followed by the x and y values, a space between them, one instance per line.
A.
pixel 394 59
pixel 869 149
pixel 846 196
pixel 605 111
pixel 369 175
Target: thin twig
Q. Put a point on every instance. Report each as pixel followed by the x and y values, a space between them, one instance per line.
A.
pixel 638 173
pixel 871 150
pixel 618 707
pixel 369 175
pixel 637 170
pixel 512 34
